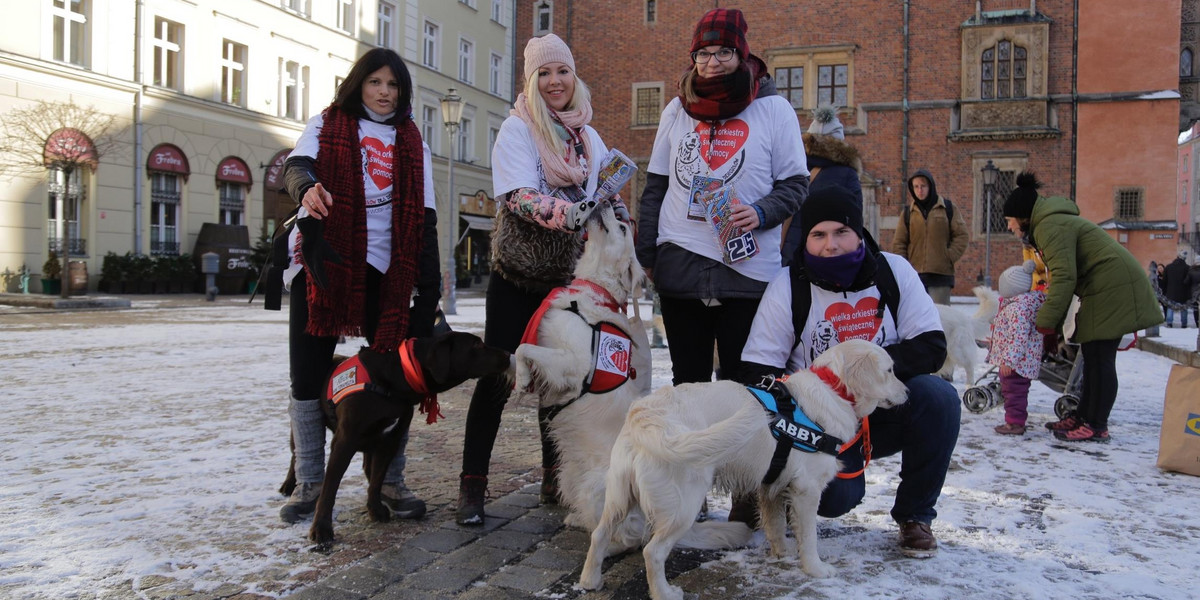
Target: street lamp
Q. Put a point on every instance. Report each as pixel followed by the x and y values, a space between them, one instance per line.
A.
pixel 452 110
pixel 990 173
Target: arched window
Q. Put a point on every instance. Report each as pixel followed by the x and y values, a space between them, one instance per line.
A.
pixel 1185 63
pixel 1002 72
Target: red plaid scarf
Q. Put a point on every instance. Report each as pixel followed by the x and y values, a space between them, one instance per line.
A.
pixel 724 97
pixel 338 309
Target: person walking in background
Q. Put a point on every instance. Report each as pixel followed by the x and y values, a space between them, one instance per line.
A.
pixel 831 161
pixel 1115 297
pixel 932 235
pixel 1177 289
pixel 1016 347
pixel 544 167
pixel 1194 282
pixel 367 231
pixel 728 124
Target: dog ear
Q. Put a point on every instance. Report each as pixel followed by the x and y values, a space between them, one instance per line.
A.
pixel 441 356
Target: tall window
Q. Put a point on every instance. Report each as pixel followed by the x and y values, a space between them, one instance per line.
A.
pixel 495 68
pixel 651 11
pixel 1006 180
pixel 543 17
pixel 465 140
pixel 168 52
pixel 493 133
pixel 345 15
pixel 71 30
pixel 71 202
pixel 647 103
pixel 293 90
pixel 466 60
pixel 1185 63
pixel 832 82
pixel 429 54
pixel 232 203
pixel 790 81
pixel 429 127
pixel 1002 71
pixel 384 34
pixel 164 213
pixel 1128 203
pixel 233 73
pixel 297 6
pixel 498 11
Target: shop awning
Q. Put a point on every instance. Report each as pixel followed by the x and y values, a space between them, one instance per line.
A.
pixel 477 222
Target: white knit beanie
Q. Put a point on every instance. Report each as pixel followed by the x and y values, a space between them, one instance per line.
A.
pixel 1017 280
pixel 825 122
pixel 545 50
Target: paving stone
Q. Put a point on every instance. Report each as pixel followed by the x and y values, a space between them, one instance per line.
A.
pixel 534 525
pixel 322 592
pixel 483 557
pixel 550 557
pixel 397 562
pixel 442 540
pixel 526 579
pixel 359 579
pixel 513 540
pixel 489 592
pixel 443 577
pixel 519 499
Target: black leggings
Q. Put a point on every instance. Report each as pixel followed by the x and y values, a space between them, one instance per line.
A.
pixel 692 328
pixel 1099 392
pixel 311 356
pixel 507 312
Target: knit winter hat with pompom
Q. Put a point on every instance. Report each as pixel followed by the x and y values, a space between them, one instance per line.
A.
pixel 1016 280
pixel 1019 204
pixel 825 122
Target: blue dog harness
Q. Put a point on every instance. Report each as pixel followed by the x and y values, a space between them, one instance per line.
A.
pixel 792 429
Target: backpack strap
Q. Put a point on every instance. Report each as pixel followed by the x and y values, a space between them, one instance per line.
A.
pixel 949 215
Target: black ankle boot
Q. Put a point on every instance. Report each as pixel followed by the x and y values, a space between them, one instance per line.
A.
pixel 472 493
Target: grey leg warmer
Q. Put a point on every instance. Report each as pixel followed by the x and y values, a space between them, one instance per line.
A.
pixel 308 433
pixel 395 472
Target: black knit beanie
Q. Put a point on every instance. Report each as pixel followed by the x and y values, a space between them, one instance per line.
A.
pixel 833 203
pixel 1019 204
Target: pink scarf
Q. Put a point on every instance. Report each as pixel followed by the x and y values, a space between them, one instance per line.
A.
pixel 562 169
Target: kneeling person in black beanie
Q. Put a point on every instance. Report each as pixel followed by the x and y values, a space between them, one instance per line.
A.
pixel 848 279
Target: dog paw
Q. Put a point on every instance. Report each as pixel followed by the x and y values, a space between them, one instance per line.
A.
pixel 379 512
pixel 819 569
pixel 591 581
pixel 322 534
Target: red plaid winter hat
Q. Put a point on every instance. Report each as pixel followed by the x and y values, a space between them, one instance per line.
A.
pixel 722 27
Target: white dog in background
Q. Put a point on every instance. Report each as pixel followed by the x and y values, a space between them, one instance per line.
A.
pixel 586 424
pixel 678 441
pixel 963 332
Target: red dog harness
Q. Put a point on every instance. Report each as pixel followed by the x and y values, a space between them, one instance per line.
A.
pixel 612 348
pixel 351 377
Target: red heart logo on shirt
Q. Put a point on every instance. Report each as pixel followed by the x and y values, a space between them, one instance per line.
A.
pixel 857 322
pixel 379 161
pixel 719 145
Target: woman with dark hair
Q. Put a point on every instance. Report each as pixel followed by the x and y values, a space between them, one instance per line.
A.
pixel 366 237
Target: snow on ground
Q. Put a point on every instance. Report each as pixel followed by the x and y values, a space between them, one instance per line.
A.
pixel 126 453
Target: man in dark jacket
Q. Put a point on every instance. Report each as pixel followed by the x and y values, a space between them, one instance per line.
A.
pixel 1177 289
pixel 931 235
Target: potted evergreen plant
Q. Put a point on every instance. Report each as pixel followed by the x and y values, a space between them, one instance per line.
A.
pixel 52 274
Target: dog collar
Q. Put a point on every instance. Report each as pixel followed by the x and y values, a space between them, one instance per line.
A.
pixel 415 378
pixel 834 382
pixel 610 302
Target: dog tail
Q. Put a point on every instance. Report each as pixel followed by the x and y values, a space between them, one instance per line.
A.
pixel 717 535
pixel 665 439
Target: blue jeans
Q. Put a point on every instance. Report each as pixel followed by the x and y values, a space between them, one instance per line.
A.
pixel 925 431
pixel 1183 312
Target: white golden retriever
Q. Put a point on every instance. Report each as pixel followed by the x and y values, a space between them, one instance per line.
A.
pixel 586 424
pixel 963 331
pixel 677 442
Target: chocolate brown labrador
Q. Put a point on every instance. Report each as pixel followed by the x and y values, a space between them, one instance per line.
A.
pixel 371 417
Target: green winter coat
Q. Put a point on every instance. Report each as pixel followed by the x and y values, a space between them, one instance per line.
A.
pixel 1115 297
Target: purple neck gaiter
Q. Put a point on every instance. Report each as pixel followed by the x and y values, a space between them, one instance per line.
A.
pixel 839 270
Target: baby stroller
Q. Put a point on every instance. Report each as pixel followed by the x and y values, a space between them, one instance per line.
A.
pixel 1061 371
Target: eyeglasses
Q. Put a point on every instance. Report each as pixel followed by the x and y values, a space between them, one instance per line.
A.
pixel 723 55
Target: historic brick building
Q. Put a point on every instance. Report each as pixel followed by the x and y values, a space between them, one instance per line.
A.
pixel 1084 93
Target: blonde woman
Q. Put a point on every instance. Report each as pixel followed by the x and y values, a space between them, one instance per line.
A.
pixel 544 167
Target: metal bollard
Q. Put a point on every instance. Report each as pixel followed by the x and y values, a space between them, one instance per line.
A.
pixel 210 265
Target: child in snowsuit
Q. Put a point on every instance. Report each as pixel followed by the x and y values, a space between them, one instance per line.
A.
pixel 1016 344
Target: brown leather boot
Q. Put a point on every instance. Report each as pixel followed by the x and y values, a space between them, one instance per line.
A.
pixel 917 541
pixel 472 493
